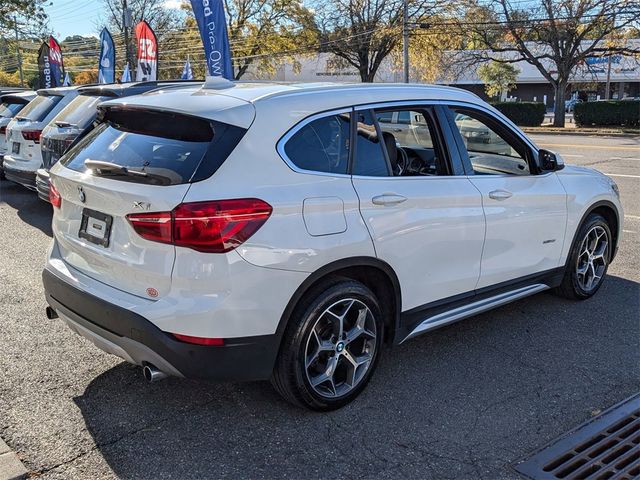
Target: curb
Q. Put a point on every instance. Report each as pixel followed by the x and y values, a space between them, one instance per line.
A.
pixel 569 131
pixel 11 467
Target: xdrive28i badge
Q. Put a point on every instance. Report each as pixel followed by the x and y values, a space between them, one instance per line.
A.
pixel 81 195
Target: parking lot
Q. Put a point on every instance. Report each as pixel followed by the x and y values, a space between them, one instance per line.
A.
pixel 465 401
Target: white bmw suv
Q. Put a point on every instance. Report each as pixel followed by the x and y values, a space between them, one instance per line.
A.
pixel 263 231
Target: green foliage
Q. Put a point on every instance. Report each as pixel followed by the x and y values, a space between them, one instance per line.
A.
pixel 619 113
pixel 524 114
pixel 498 77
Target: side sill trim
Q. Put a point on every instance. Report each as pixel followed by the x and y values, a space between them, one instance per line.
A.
pixel 474 308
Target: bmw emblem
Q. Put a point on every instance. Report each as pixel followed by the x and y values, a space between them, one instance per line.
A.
pixel 340 347
pixel 81 195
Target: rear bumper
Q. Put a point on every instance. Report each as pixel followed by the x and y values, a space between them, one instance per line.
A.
pixel 122 332
pixel 22 177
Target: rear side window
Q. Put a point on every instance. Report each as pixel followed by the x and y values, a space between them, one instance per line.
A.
pixel 8 110
pixel 156 148
pixel 321 145
pixel 80 112
pixel 39 107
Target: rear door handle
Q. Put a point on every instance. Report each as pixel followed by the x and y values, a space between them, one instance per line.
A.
pixel 500 194
pixel 388 199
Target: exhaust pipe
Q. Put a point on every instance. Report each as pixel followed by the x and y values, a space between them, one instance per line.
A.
pixel 51 313
pixel 152 374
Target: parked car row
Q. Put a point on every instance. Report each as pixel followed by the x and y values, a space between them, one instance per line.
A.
pixel 253 231
pixel 37 128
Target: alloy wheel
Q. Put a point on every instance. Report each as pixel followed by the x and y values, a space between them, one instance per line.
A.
pixel 592 258
pixel 340 348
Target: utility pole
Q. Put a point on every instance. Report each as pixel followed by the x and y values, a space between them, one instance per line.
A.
pixel 15 27
pixel 126 25
pixel 405 40
pixel 607 88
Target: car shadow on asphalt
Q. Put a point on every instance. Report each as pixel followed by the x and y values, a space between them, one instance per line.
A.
pixel 28 206
pixel 462 401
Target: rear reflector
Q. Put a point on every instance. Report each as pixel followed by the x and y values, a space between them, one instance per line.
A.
pixel 33 135
pixel 216 226
pixel 54 196
pixel 211 342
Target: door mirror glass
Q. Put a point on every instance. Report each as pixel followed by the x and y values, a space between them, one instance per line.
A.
pixel 550 161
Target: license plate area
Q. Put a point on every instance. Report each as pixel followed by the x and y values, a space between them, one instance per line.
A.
pixel 95 227
pixel 15 148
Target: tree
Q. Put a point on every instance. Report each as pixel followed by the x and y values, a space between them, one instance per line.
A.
pixel 498 78
pixel 364 32
pixel 262 30
pixel 555 36
pixel 28 14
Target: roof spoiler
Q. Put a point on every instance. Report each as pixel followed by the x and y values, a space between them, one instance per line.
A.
pixel 13 98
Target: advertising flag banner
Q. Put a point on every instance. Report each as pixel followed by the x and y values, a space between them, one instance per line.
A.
pixel 213 31
pixel 187 73
pixel 107 61
pixel 147 53
pixel 67 80
pixel 44 66
pixel 56 63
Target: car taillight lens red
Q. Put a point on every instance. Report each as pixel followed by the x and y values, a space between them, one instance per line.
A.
pixel 214 227
pixel 212 342
pixel 54 196
pixel 33 135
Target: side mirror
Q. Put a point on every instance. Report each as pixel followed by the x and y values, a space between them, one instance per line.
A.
pixel 550 161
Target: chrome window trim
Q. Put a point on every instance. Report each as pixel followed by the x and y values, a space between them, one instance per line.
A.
pixel 299 126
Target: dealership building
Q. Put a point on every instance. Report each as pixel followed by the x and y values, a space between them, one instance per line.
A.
pixel 588 82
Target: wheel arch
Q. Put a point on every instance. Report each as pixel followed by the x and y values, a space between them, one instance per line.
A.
pixel 611 214
pixel 375 274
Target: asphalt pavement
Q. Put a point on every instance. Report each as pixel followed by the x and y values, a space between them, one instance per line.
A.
pixel 462 402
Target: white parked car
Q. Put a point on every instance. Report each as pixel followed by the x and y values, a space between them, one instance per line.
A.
pixel 23 157
pixel 255 231
pixel 10 105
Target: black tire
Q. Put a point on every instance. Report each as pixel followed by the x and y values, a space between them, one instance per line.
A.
pixel 573 286
pixel 291 376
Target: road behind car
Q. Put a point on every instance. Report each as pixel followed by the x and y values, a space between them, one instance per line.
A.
pixel 462 402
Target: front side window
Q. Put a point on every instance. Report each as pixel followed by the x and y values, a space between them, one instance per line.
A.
pixel 490 151
pixel 321 145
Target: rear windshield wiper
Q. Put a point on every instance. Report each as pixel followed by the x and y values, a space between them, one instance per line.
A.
pixel 63 124
pixel 108 168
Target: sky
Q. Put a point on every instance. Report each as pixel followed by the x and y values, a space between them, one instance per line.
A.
pixel 81 17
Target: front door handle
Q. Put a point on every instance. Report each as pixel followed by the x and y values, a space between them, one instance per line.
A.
pixel 388 199
pixel 500 194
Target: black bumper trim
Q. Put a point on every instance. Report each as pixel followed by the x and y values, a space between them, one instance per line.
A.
pixel 27 179
pixel 240 359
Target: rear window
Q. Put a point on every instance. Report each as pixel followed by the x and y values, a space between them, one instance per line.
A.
pixel 80 112
pixel 8 110
pixel 39 107
pixel 169 149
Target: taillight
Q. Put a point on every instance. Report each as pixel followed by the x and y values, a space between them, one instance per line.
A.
pixel 212 342
pixel 152 226
pixel 215 226
pixel 54 196
pixel 33 135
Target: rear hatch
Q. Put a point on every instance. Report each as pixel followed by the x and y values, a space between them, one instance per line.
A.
pixel 23 132
pixel 9 107
pixel 142 161
pixel 66 126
